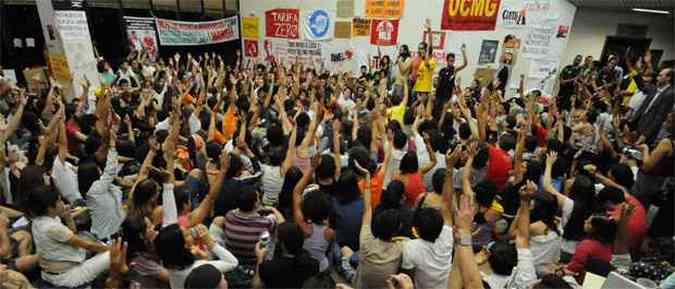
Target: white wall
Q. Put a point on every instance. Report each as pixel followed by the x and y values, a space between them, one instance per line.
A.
pixel 411 26
pixel 592 26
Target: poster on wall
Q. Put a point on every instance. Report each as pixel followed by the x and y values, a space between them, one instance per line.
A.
pixel 179 33
pixel 249 27
pixel 343 30
pixel 437 39
pixel 512 16
pixel 488 51
pixel 537 43
pixel 470 15
pixel 318 25
pixel 563 30
pixel 540 11
pixel 384 32
pixel 251 48
pixel 304 51
pixel 345 8
pixel 384 8
pixel 141 35
pixel 282 23
pixel 360 27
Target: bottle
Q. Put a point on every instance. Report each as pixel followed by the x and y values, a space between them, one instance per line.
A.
pixel 266 242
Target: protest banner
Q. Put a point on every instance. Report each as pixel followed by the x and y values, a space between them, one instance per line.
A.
pixel 179 33
pixel 512 15
pixel 249 27
pixel 384 32
pixel 282 23
pixel 384 8
pixel 141 35
pixel 470 15
pixel 360 27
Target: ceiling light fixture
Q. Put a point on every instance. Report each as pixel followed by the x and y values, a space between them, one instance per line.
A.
pixel 651 11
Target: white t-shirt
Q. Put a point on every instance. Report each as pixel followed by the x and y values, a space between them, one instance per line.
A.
pixel 51 241
pixel 65 180
pixel 546 248
pixel 227 262
pixel 431 261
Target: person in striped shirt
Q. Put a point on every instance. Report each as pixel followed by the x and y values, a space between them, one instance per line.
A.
pixel 244 225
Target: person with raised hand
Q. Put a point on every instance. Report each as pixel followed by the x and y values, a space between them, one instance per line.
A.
pixel 379 255
pixel 429 258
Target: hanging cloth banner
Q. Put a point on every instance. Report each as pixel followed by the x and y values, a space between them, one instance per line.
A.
pixel 141 34
pixel 470 15
pixel 180 33
pixel 384 32
pixel 319 25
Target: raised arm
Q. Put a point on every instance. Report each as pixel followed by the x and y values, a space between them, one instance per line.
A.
pixel 448 187
pixel 206 206
pixel 468 168
pixel 14 121
pixel 290 152
pixel 298 216
pixel 432 157
pixel 464 251
pixel 464 60
pixel 367 205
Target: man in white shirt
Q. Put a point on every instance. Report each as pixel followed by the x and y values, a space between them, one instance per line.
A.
pixel 430 256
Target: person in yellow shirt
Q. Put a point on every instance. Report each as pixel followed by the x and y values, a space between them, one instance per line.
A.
pixel 425 71
pixel 397 110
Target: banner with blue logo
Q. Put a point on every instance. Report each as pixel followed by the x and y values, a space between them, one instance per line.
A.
pixel 319 25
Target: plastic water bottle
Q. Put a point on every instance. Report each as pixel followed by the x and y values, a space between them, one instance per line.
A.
pixel 266 242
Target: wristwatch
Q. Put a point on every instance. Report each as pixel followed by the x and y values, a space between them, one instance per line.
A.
pixel 463 240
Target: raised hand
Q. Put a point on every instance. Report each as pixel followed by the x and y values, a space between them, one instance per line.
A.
pixel 465 213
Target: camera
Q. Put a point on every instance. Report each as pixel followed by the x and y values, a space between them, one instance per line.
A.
pixel 632 153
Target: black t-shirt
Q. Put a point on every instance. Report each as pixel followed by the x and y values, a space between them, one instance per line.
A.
pixel 446 83
pixel 286 272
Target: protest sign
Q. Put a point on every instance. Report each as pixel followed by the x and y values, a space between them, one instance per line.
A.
pixel 360 27
pixel 318 25
pixel 471 15
pixel 249 27
pixel 141 35
pixel 384 32
pixel 282 23
pixel 384 8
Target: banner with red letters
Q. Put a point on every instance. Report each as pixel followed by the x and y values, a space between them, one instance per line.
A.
pixel 384 32
pixel 282 23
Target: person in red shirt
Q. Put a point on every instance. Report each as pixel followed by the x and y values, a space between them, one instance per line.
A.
pixel 613 199
pixel 601 231
pixel 500 163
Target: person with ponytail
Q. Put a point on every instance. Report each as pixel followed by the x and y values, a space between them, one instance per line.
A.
pixel 291 266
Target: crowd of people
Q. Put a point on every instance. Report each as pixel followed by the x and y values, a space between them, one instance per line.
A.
pixel 188 172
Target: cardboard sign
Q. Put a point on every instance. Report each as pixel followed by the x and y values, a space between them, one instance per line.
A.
pixel 345 8
pixel 384 8
pixel 360 27
pixel 384 32
pixel 343 30
pixel 249 27
pixel 282 23
pixel 470 15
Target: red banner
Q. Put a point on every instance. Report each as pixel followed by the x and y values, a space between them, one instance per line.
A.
pixel 282 23
pixel 383 32
pixel 473 15
pixel 250 48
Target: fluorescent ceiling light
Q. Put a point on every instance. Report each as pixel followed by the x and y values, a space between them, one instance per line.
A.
pixel 651 11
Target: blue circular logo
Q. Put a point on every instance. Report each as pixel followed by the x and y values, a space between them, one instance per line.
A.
pixel 318 23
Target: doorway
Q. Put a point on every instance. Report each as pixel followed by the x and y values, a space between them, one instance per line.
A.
pixel 618 45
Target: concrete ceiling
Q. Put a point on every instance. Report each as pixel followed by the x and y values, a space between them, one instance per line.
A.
pixel 626 4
